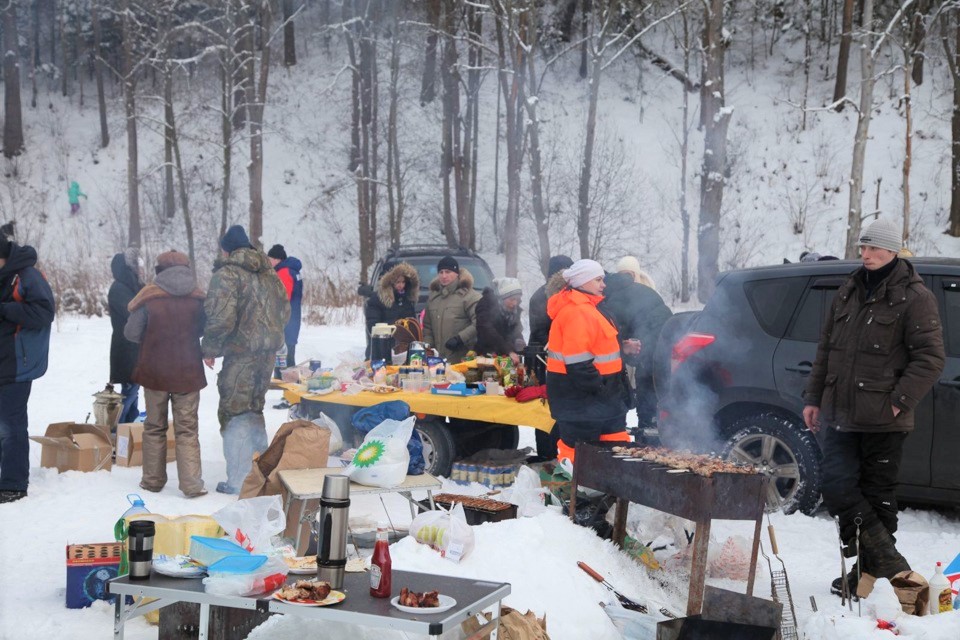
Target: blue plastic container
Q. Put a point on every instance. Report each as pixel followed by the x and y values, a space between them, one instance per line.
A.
pixel 207 551
pixel 237 564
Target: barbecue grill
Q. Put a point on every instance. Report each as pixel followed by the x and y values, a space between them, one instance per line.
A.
pixel 723 496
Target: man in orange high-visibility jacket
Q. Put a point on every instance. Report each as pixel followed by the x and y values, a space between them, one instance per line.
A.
pixel 585 385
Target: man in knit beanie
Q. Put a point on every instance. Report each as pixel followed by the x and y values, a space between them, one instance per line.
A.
pixel 881 350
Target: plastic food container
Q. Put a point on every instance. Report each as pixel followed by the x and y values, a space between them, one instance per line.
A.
pixel 207 551
pixel 237 564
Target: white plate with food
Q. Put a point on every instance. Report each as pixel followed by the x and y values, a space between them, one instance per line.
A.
pixel 302 566
pixel 334 597
pixel 425 602
pixel 309 593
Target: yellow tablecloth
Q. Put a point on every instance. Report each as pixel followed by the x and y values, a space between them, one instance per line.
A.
pixel 485 408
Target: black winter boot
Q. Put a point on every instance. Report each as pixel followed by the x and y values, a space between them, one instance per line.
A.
pixel 853 579
pixel 885 560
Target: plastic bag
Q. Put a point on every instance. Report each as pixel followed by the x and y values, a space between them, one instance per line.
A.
pixel 270 576
pixel 527 493
pixel 382 459
pixel 445 531
pixel 365 420
pixel 252 522
pixel 634 625
pixel 336 439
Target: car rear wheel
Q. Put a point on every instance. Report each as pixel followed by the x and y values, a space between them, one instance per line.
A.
pixel 438 447
pixel 783 451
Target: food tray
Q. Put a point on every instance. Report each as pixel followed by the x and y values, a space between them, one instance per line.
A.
pixel 477 510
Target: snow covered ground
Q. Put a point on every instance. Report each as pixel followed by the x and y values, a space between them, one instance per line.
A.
pixel 536 556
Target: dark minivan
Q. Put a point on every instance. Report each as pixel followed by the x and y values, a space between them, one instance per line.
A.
pixel 738 368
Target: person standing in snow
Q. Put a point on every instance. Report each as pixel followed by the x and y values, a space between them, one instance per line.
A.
pixel 450 319
pixel 499 326
pixel 640 313
pixel 880 351
pixel 288 270
pixel 394 299
pixel 127 282
pixel 539 320
pixel 246 309
pixel 585 382
pixel 166 320
pixel 73 196
pixel 27 310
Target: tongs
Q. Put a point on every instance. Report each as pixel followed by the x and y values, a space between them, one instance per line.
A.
pixel 624 601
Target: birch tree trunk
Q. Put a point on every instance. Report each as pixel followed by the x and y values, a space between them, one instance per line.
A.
pixel 395 196
pixel 716 119
pixel 289 35
pixel 12 110
pixel 169 194
pixel 255 111
pixel 684 153
pixel 428 81
pixel 130 111
pixel 510 85
pixel 908 147
pixel 855 212
pixel 843 54
pixel 98 72
pixel 531 99
pixel 952 54
pixel 586 167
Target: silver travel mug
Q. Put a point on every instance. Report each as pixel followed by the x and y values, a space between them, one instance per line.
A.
pixel 140 535
pixel 332 522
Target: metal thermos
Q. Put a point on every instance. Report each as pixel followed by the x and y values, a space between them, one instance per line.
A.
pixel 332 530
pixel 140 535
pixel 381 348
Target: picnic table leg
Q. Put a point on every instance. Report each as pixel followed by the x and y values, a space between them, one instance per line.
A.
pixel 496 619
pixel 204 625
pixel 118 619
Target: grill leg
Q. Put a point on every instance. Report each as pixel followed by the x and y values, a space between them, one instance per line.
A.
pixel 620 521
pixel 752 576
pixel 698 569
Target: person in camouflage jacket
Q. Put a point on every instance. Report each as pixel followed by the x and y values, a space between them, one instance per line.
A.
pixel 246 309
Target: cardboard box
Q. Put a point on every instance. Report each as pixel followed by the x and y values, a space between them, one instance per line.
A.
pixel 71 446
pixel 89 567
pixel 130 444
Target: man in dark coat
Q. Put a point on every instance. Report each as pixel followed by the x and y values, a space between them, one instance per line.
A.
pixel 26 313
pixel 499 326
pixel 288 270
pixel 395 297
pixel 166 320
pixel 880 351
pixel 539 320
pixel 123 353
pixel 640 313
pixel 246 309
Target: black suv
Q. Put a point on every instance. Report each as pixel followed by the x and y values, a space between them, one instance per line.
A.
pixel 737 371
pixel 424 258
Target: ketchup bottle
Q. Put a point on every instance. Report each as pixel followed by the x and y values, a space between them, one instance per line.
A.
pixel 381 572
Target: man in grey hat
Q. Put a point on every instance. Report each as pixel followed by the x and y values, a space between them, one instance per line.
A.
pixel 880 352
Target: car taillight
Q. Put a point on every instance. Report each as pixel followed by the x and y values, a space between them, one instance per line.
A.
pixel 687 346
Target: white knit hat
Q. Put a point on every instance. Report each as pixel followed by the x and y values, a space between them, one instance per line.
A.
pixel 581 272
pixel 883 234
pixel 629 263
pixel 507 287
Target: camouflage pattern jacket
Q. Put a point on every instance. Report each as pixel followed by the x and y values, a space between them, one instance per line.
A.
pixel 246 306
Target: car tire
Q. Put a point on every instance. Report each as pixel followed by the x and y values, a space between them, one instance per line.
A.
pixel 439 447
pixel 472 436
pixel 786 452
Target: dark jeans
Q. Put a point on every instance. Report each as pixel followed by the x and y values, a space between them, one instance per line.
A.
pixel 860 473
pixel 14 443
pixel 590 431
pixel 130 411
pixel 291 354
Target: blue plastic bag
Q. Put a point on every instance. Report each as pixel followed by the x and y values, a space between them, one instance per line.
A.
pixel 369 417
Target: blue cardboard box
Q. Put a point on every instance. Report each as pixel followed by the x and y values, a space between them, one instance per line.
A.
pixel 89 567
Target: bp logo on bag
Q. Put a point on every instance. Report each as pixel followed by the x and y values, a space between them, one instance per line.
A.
pixel 369 453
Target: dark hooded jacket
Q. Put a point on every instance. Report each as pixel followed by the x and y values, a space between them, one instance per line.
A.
pixel 123 353
pixel 640 313
pixel 166 319
pixel 877 351
pixel 384 306
pixel 246 306
pixel 539 320
pixel 497 329
pixel 27 309
pixel 288 270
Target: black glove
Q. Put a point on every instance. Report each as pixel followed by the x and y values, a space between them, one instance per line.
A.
pixel 454 343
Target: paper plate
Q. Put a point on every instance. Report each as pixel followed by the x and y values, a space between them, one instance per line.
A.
pixel 446 602
pixel 177 567
pixel 335 597
pixel 301 566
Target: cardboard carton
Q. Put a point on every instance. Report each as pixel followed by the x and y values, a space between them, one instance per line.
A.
pixel 89 567
pixel 130 444
pixel 71 446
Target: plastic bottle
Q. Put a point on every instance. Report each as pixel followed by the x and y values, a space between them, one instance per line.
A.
pixel 381 568
pixel 281 359
pixel 940 593
pixel 137 507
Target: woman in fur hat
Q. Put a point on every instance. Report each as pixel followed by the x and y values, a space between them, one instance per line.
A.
pixel 394 298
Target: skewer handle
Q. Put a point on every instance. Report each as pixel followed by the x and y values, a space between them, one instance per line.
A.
pixel 589 571
pixel 773 539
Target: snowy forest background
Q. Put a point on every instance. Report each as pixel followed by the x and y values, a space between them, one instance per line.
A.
pixel 700 135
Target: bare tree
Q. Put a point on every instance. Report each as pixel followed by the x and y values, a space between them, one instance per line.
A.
pixel 950 29
pixel 255 109
pixel 715 118
pixel 98 72
pixel 395 195
pixel 429 79
pixel 134 233
pixel 13 144
pixel 289 35
pixel 843 54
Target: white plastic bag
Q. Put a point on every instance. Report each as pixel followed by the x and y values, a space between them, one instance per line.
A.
pixel 445 531
pixel 271 575
pixel 252 522
pixel 527 493
pixel 336 440
pixel 382 459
